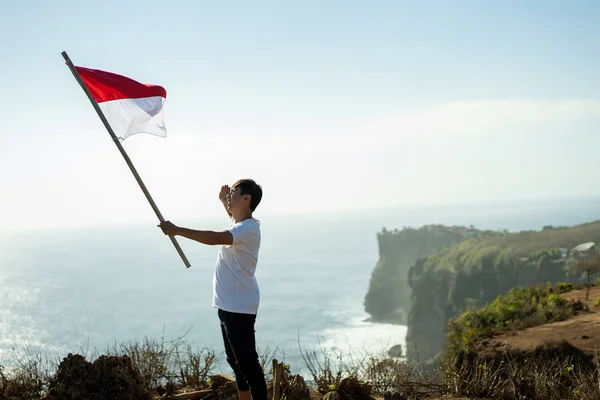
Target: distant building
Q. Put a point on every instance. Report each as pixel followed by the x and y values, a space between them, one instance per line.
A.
pixel 583 249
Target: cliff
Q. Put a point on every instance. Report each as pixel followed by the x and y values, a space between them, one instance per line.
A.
pixel 476 271
pixel 388 296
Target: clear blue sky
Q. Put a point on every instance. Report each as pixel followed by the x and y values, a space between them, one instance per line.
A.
pixel 436 99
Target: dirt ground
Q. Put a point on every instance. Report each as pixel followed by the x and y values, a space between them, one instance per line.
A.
pixel 582 331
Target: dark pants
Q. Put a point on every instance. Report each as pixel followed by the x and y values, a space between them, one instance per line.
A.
pixel 240 348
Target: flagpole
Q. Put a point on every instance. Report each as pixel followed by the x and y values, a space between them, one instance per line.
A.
pixel 122 151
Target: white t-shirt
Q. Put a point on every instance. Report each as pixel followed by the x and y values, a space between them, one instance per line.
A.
pixel 234 286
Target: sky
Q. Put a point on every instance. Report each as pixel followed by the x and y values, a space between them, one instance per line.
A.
pixel 335 105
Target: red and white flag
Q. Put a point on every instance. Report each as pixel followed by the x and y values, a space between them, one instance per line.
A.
pixel 129 106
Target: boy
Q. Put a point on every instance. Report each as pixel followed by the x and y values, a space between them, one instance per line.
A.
pixel 235 290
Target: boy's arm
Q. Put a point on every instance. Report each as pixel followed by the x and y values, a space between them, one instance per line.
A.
pixel 223 194
pixel 210 238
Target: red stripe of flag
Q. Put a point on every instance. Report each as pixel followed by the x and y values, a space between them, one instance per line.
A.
pixel 106 86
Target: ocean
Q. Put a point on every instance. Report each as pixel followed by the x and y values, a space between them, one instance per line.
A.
pixel 75 289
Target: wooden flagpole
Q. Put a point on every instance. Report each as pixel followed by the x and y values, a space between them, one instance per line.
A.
pixel 122 151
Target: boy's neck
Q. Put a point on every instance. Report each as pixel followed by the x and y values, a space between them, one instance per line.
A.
pixel 242 216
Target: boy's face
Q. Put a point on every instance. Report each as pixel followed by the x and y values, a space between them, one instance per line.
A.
pixel 236 200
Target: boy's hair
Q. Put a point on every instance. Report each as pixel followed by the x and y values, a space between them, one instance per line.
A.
pixel 248 186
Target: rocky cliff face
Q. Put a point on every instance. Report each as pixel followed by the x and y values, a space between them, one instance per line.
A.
pixel 476 271
pixel 388 297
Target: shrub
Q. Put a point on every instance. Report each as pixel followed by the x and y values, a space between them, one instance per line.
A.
pixel 519 309
pixel 565 287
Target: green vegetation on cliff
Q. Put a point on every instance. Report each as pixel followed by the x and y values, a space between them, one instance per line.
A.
pixel 476 271
pixel 388 297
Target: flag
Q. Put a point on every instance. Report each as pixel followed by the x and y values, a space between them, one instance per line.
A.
pixel 129 106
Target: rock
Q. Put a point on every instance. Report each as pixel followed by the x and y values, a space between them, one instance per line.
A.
pixel 331 396
pixel 104 379
pixel 228 391
pixel 395 351
pixel 353 389
pixel 224 387
pixel 218 380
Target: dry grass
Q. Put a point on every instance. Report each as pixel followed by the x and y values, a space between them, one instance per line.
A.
pixel 553 372
pixel 169 363
pixel 379 374
pixel 29 376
